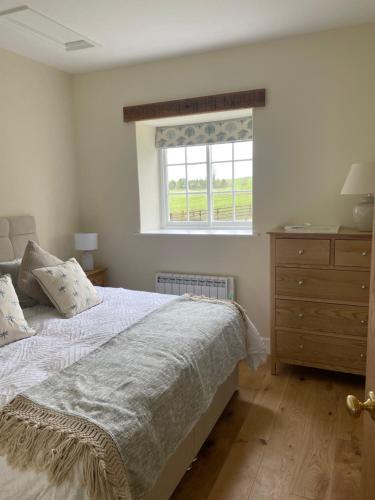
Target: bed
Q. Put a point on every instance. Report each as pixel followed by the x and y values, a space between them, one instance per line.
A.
pixel 61 344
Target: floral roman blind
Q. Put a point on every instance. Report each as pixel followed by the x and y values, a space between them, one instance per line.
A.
pixel 234 130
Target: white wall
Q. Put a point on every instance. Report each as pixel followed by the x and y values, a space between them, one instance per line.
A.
pixel 37 163
pixel 148 177
pixel 319 118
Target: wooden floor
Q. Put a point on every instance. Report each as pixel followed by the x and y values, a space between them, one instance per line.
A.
pixel 287 437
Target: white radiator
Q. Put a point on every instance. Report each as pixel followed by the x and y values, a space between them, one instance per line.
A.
pixel 219 287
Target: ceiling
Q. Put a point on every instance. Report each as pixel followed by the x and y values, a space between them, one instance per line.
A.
pixel 132 31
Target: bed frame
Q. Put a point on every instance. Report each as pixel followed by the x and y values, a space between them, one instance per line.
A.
pixel 15 232
pixel 180 461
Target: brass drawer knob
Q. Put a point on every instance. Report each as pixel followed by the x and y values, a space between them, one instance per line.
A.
pixel 363 287
pixel 301 282
pixel 361 355
pixel 301 315
pixel 300 347
pixel 355 407
pixel 301 251
pixel 364 253
pixel 363 322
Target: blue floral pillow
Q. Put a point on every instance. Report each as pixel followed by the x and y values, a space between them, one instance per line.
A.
pixel 13 325
pixel 12 268
pixel 67 287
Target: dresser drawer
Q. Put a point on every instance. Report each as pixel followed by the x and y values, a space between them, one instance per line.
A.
pixel 302 251
pixel 352 286
pixel 303 315
pixel 322 350
pixel 356 253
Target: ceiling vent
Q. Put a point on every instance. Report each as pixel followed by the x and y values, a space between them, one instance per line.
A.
pixel 35 23
pixel 78 45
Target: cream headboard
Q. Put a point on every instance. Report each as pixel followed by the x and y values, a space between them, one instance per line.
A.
pixel 15 232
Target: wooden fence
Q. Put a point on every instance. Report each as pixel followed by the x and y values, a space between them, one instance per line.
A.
pixel 243 212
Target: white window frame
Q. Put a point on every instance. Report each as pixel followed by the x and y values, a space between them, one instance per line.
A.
pixel 210 224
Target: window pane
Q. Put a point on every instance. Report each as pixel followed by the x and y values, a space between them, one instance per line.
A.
pixel 176 178
pixel 244 207
pixel 243 175
pixel 232 180
pixel 175 155
pixel 198 207
pixel 196 154
pixel 177 207
pixel 243 150
pixel 222 207
pixel 197 177
pixel 222 176
pixel 221 152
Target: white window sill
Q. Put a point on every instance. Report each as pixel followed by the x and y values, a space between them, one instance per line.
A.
pixel 201 232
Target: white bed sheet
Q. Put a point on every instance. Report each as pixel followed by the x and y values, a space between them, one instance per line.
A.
pixel 58 343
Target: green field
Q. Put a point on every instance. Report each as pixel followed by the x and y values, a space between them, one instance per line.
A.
pixel 221 200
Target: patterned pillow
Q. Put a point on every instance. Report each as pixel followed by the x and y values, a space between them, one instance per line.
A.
pixel 13 325
pixel 68 287
pixel 34 258
pixel 12 268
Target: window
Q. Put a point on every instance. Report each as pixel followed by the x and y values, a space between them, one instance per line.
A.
pixel 207 186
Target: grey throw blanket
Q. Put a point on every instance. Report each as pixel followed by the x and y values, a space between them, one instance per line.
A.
pixel 122 410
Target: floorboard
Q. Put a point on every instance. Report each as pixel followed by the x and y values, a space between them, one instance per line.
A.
pixel 285 437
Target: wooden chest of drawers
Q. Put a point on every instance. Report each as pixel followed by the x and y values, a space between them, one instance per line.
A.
pixel 320 295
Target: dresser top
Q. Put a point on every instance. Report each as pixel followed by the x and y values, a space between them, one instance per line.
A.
pixel 344 233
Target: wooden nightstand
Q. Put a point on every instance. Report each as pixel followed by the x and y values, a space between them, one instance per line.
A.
pixel 98 276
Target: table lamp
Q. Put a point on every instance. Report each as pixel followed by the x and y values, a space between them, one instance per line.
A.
pixel 86 242
pixel 361 180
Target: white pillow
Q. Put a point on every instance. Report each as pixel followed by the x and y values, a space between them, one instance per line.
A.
pixel 13 325
pixel 68 287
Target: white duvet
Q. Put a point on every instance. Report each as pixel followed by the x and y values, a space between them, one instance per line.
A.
pixel 59 343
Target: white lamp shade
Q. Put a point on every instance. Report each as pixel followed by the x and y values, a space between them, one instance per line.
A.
pixel 360 179
pixel 86 241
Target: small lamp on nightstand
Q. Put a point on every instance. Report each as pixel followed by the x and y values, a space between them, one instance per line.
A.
pixel 87 243
pixel 361 180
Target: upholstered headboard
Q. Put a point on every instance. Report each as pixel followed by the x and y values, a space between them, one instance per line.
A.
pixel 15 232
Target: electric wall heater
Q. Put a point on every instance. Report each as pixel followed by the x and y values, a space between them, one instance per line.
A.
pixel 219 287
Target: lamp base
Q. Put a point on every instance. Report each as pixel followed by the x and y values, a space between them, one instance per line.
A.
pixel 363 214
pixel 87 261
